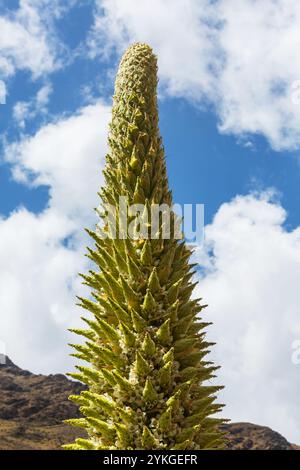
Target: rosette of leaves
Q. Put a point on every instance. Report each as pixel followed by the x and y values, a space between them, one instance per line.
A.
pixel 145 345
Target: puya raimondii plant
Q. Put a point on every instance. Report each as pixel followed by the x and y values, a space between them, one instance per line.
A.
pixel 144 343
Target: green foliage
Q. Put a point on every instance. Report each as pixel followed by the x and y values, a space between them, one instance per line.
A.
pixel 144 341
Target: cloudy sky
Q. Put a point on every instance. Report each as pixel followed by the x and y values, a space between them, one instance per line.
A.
pixel 230 117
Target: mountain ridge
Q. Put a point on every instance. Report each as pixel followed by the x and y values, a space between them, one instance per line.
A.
pixel 33 407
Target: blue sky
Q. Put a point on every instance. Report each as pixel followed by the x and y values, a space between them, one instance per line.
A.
pixel 231 133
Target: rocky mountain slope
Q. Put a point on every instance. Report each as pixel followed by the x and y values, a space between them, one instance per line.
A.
pixel 32 408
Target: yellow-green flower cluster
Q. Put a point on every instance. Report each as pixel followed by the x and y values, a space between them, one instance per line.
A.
pixel 144 341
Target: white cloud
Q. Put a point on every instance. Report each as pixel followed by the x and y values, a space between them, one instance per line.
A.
pixel 6 67
pixel 66 156
pixel 241 56
pixel 42 97
pixel 261 43
pixel 2 92
pixel 38 284
pixel 21 113
pixel 28 40
pixel 252 268
pixel 176 29
pixel 25 111
pixel 42 254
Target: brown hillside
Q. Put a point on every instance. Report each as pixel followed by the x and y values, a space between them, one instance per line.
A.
pixel 32 409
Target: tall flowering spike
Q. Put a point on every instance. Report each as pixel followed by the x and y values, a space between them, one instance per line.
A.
pixel 145 344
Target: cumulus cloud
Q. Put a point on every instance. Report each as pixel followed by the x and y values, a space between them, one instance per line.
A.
pixel 243 58
pixel 250 281
pixel 179 31
pixel 38 284
pixel 27 38
pixel 260 42
pixel 67 157
pixel 42 254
